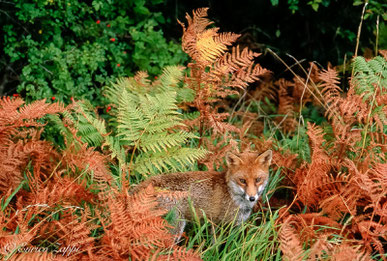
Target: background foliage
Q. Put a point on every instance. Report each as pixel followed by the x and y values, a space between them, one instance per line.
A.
pixel 67 49
pixel 310 30
pixel 50 47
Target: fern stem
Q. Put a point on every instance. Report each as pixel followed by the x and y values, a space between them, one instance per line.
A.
pixel 302 97
pixel 345 225
pixel 236 105
pixel 367 124
pixel 287 209
pixel 358 33
pixel 300 80
pixel 200 132
pixel 54 170
pixel 136 145
pixel 377 35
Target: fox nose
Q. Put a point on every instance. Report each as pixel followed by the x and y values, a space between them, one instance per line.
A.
pixel 252 199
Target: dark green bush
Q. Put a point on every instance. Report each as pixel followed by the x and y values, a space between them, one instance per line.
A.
pixel 71 48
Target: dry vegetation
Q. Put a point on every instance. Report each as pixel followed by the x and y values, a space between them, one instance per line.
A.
pixel 333 207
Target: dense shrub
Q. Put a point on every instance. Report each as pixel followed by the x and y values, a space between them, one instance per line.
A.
pixel 67 49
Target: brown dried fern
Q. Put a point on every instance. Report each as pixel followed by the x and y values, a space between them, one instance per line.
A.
pixel 290 244
pixel 215 71
pixel 52 211
pixel 136 229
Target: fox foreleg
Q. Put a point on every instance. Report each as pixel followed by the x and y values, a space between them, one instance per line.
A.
pixel 179 230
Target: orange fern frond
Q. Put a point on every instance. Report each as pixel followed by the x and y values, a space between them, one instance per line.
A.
pixel 379 174
pixel 73 231
pixel 14 158
pixel 316 139
pixel 65 191
pixel 214 160
pixel 204 45
pixel 320 248
pixel 345 252
pixel 313 226
pixel 12 111
pixel 290 244
pixel 312 180
pixel 10 243
pixel 330 89
pixel 240 65
pixel 265 89
pixel 215 71
pixel 372 234
pixel 8 107
pixel 136 227
pixel 286 109
pixel 83 158
pixel 38 256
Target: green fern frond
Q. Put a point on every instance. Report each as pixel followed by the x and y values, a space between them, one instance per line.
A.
pixel 147 118
pixel 176 159
pixel 90 129
pixel 145 122
pixel 370 75
pixel 191 115
pixel 94 131
pixel 116 149
pixel 58 124
pixel 116 89
pixel 163 141
pixel 146 115
pixel 171 77
pixel 171 80
pixel 185 95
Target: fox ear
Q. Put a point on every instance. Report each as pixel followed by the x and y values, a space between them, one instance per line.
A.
pixel 265 158
pixel 232 159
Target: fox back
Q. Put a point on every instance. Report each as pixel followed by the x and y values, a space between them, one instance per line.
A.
pixel 222 196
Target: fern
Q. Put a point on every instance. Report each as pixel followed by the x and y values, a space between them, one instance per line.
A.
pixel 135 229
pixel 176 159
pixel 53 201
pixel 146 130
pixel 150 122
pixel 141 116
pixel 370 76
pixel 344 177
pixel 290 243
pixel 370 82
pixel 219 68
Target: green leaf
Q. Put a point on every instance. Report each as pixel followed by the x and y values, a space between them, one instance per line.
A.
pixel 12 195
pixel 356 3
pixel 315 6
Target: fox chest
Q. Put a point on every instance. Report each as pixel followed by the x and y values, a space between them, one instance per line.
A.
pixel 244 214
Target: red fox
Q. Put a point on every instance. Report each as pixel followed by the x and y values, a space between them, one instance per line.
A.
pixel 222 196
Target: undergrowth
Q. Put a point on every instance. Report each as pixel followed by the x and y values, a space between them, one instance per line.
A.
pixel 326 199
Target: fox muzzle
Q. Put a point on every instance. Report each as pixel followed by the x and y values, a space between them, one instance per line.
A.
pixel 251 198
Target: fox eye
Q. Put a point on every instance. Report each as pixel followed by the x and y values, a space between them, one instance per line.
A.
pixel 258 180
pixel 243 181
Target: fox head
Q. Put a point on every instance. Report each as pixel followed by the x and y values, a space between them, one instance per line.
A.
pixel 248 175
